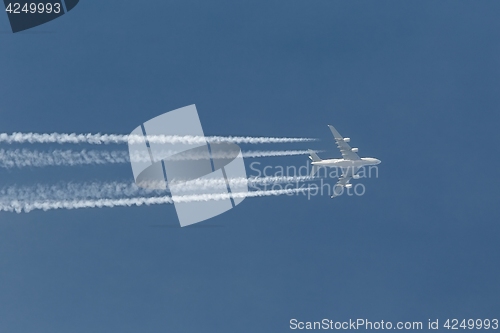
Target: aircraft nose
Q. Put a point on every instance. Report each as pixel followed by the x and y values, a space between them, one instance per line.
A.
pixel 379 161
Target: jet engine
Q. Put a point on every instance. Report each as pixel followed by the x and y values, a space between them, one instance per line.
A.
pixel 348 185
pixel 354 150
pixel 356 177
pixel 347 139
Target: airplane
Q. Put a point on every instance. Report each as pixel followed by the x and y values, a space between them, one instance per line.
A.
pixel 350 162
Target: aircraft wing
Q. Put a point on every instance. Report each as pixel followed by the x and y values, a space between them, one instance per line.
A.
pixel 345 149
pixel 347 174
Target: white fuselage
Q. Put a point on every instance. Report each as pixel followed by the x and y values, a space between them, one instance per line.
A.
pixel 341 163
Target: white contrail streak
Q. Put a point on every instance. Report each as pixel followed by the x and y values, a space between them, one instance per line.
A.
pixel 116 190
pixel 98 138
pixel 275 153
pixel 198 184
pixel 19 207
pixel 19 158
pixel 80 191
pixel 33 158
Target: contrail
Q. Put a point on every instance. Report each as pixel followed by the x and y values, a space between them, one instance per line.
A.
pixel 19 207
pixel 197 184
pixel 275 153
pixel 117 190
pixel 19 158
pixel 33 158
pixel 76 191
pixel 98 138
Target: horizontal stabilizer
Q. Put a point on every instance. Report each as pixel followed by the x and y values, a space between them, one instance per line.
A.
pixel 315 169
pixel 314 157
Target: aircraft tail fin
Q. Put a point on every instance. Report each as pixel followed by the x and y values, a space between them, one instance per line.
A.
pixel 315 158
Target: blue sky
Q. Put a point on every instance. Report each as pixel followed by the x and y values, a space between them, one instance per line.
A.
pixel 413 84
